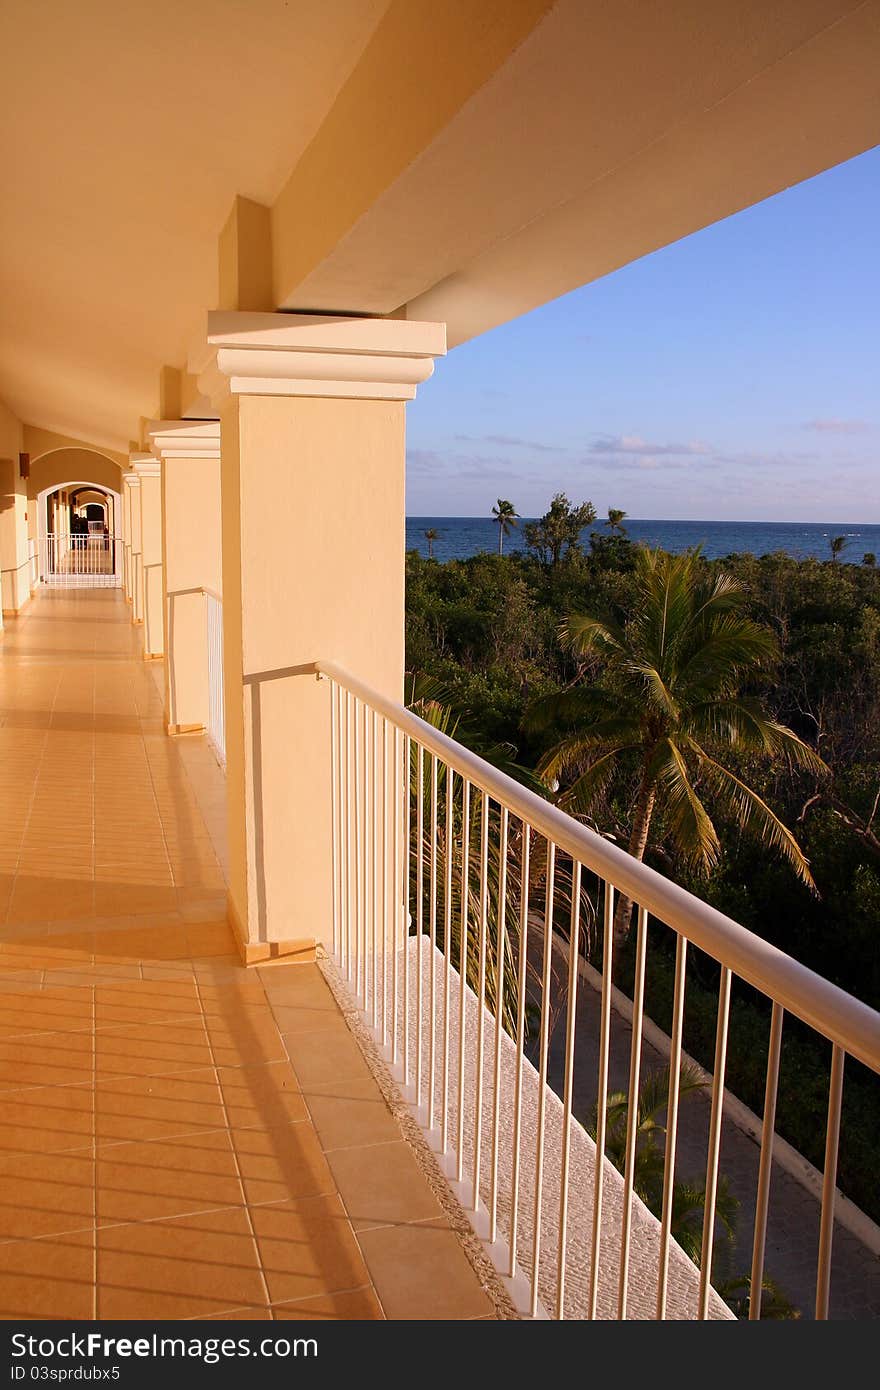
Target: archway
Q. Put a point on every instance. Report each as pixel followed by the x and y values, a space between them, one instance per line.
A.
pixel 78 544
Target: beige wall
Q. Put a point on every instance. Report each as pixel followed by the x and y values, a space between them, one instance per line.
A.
pixel 191 547
pixel 313 540
pixel 14 565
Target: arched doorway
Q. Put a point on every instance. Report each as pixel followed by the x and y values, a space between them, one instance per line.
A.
pixel 78 545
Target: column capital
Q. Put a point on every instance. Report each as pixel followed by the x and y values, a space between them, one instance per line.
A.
pixel 253 354
pixel 145 465
pixel 185 439
pixel 132 479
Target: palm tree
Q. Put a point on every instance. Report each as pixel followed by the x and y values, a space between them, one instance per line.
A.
pixel 837 544
pixel 668 704
pixel 688 1198
pixel 615 520
pixel 507 518
pixel 431 535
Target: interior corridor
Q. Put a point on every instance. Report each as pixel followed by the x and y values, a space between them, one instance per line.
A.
pixel 180 1137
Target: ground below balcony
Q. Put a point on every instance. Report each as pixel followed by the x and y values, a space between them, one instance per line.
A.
pixel 179 1137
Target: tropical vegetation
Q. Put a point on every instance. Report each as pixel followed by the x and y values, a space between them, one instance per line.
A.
pixel 796 723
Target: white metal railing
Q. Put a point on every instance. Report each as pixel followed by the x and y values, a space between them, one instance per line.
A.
pixel 446 875
pixel 79 561
pixel 216 729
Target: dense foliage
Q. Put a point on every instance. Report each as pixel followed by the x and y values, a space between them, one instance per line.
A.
pixel 488 628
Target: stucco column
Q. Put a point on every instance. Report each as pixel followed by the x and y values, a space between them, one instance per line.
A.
pixel 15 581
pixel 129 480
pixel 190 454
pixel 312 475
pixel 136 571
pixel 151 581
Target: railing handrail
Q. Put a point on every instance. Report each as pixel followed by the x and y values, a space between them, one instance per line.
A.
pixel 838 1016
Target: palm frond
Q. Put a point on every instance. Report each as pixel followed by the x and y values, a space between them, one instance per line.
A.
pixel 580 798
pixel 567 707
pixel 753 815
pixel 742 723
pixel 580 633
pixel 689 822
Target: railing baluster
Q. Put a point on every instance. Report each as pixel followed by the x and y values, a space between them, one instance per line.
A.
pixel 334 811
pixel 373 879
pixel 462 966
pixel 481 1007
pixel 447 932
pixel 500 979
pixel 358 853
pixel 829 1183
pixel 385 796
pixel 374 863
pixel 420 911
pixel 568 1083
pixel 399 914
pixel 432 912
pixel 671 1123
pixel 407 914
pixel 346 838
pixel 715 1121
pixel 544 1045
pixel 762 1200
pixel 602 1096
pixel 632 1118
pixel 520 1044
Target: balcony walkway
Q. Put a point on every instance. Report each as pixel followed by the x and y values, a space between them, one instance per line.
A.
pixel 179 1137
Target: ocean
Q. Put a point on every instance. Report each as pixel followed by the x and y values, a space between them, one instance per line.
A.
pixel 461 536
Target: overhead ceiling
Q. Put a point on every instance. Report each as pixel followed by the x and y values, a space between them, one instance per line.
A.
pixel 467 159
pixel 127 128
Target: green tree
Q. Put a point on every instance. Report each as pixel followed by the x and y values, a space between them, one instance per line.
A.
pixel 615 520
pixel 869 559
pixel 558 531
pixel 507 518
pixel 431 535
pixel 667 704
pixel 837 544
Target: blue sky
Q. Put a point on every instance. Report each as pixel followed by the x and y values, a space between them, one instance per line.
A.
pixel 731 376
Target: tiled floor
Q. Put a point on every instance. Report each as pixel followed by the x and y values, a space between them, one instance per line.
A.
pixel 179 1137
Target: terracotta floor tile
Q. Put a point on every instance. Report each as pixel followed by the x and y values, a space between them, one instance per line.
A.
pixel 48 1278
pixel 356 1305
pixel 303 1018
pixel 193 1266
pixel 245 1040
pixel 327 1055
pixel 350 1113
pixel 47 1119
pixel 261 1097
pixel 241 1315
pixel 421 1272
pixel 151 1049
pixel 43 1194
pixel 146 1181
pixel 307 1248
pixel 47 1059
pixel 142 1068
pixel 382 1183
pixel 157 1107
pixel 281 1163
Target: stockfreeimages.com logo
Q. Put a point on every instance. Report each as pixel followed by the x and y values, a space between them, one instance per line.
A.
pixel 94 1346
